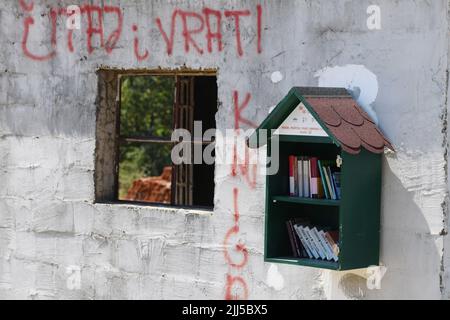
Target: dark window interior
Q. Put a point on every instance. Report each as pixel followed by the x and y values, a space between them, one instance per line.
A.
pixel 205 109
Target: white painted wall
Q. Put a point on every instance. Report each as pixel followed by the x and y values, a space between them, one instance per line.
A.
pixel 55 243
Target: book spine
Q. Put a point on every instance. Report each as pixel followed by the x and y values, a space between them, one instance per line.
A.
pixel 330 190
pixel 321 250
pixel 291 238
pixel 297 245
pixel 314 178
pixel 300 178
pixel 337 184
pixel 325 244
pixel 306 178
pixel 295 176
pixel 309 239
pixel 331 183
pixel 323 181
pixel 333 253
pixel 291 176
pixel 303 241
pixel 334 246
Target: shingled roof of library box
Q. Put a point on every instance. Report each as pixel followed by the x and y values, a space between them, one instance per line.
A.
pixel 340 116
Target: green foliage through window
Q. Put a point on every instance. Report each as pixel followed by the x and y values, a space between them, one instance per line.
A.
pixel 146 110
pixel 146 107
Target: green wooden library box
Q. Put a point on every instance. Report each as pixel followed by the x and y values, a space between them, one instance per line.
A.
pixel 327 124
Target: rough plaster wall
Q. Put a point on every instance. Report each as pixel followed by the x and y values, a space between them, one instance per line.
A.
pixel 49 224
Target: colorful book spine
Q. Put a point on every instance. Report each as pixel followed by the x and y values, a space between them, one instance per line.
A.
pixel 325 245
pixel 295 176
pixel 322 250
pixel 306 189
pixel 323 181
pixel 300 250
pixel 291 176
pixel 300 177
pixel 314 178
pixel 333 190
pixel 291 239
pixel 327 178
pixel 303 242
pixel 312 245
pixel 306 242
pixel 337 183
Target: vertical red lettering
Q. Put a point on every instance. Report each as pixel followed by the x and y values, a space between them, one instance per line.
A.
pixel 29 21
pixel 69 40
pixel 237 14
pixel 187 33
pixel 169 41
pixel 53 17
pixel 210 35
pixel 25 6
pixel 235 282
pixel 91 30
pixel 249 175
pixel 115 35
pixel 239 247
pixel 138 55
pixel 239 108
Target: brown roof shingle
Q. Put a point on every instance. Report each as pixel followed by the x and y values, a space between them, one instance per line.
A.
pixel 349 123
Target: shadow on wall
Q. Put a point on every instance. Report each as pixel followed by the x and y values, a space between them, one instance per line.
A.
pixel 408 251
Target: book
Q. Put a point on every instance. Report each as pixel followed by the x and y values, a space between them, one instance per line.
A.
pixel 297 244
pixel 323 182
pixel 306 242
pixel 291 239
pixel 321 250
pixel 320 189
pixel 337 183
pixel 312 241
pixel 300 221
pixel 309 238
pixel 332 238
pixel 300 177
pixel 306 193
pixel 314 178
pixel 295 176
pixel 333 190
pixel 291 176
pixel 310 177
pixel 307 251
pixel 327 246
pixel 323 242
pixel 328 182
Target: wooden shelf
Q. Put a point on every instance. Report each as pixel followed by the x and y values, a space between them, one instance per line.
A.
pixel 310 201
pixel 316 263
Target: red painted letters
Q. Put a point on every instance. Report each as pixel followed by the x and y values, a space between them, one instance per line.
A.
pixel 210 35
pixel 199 30
pixel 138 55
pixel 237 15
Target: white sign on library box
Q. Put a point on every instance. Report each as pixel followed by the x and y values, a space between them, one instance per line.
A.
pixel 301 123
